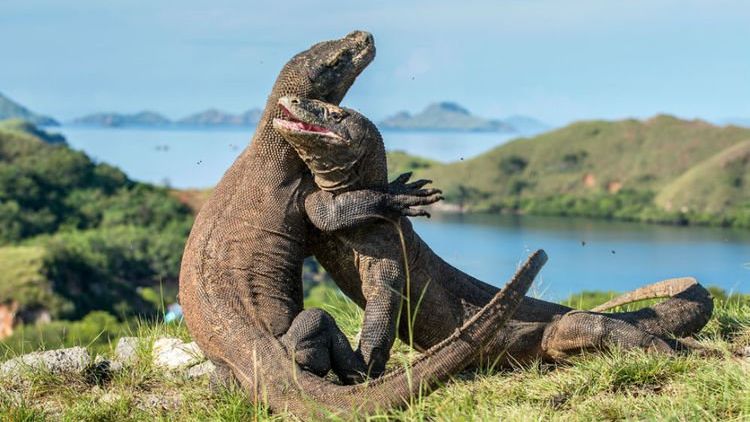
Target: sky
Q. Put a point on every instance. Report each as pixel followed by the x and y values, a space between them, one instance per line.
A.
pixel 558 61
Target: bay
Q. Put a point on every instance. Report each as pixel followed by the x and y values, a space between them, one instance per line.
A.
pixel 586 254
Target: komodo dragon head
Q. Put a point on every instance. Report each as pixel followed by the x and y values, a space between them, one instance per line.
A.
pixel 341 147
pixel 329 68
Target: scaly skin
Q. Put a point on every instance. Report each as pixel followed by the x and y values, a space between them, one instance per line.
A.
pixel 240 279
pixel 342 151
pixel 441 296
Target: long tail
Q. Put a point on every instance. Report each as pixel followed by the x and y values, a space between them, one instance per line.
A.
pixel 688 308
pixel 270 376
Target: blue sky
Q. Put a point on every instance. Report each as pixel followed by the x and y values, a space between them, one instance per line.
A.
pixel 555 60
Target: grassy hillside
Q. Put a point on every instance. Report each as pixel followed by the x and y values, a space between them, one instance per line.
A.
pixel 78 236
pixel 714 186
pixel 630 169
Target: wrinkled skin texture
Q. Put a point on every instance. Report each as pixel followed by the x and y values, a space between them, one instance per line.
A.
pixel 344 151
pixel 347 152
pixel 240 279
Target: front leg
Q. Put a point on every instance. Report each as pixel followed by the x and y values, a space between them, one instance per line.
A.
pixel 383 275
pixel 330 212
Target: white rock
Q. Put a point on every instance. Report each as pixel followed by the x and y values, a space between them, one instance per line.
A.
pixel 201 370
pixel 126 350
pixel 109 397
pixel 71 360
pixel 173 354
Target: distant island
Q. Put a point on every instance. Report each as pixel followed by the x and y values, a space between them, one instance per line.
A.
pixel 442 116
pixel 214 117
pixel 450 116
pixel 208 118
pixel 10 109
pixel 144 118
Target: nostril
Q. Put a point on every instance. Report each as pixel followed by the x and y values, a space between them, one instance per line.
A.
pixel 295 101
pixel 361 37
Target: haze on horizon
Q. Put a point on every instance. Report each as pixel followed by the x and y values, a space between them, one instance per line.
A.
pixel 551 60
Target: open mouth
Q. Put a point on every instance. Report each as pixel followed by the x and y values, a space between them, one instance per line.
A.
pixel 292 123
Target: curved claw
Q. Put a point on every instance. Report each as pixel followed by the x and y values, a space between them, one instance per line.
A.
pixel 405 201
pixel 418 184
pixel 415 212
pixel 424 192
pixel 401 179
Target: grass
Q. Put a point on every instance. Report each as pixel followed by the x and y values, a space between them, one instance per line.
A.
pixel 608 386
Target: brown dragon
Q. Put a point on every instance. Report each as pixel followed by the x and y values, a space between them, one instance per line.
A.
pixel 345 154
pixel 439 297
pixel 240 279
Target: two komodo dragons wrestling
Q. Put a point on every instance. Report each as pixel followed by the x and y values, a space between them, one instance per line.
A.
pixel 240 279
pixel 442 297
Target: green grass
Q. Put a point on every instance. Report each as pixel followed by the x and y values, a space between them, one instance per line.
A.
pixel 608 386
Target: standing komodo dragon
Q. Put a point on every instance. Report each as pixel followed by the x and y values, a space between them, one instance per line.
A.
pixel 442 297
pixel 240 279
pixel 345 154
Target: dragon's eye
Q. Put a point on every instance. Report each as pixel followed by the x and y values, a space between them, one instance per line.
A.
pixel 337 116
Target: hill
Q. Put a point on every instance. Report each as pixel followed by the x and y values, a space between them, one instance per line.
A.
pixel 526 125
pixel 214 117
pixel 444 116
pixel 23 126
pixel 626 169
pixel 78 236
pixel 737 121
pixel 12 110
pixel 143 118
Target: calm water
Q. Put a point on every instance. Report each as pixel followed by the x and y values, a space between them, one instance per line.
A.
pixel 186 158
pixel 589 254
pixel 584 254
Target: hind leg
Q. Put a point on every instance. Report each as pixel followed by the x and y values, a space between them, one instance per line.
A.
pixel 579 331
pixel 222 377
pixel 318 346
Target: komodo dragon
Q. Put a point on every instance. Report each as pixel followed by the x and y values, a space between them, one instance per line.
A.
pixel 337 154
pixel 240 279
pixel 442 297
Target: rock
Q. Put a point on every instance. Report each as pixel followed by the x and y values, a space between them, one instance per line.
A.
pixel 174 354
pixel 126 350
pixel 72 360
pixel 201 370
pixel 161 401
pixel 109 398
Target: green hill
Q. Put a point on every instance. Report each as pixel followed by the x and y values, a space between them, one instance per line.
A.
pixel 78 236
pixel 9 109
pixel 717 185
pixel 626 169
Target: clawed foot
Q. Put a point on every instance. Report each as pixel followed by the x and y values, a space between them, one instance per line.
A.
pixel 405 195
